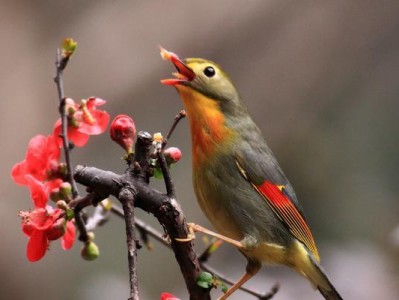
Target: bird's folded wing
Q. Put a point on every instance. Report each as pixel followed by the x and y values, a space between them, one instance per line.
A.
pixel 280 197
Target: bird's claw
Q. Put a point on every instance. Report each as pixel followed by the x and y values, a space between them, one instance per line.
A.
pixel 190 235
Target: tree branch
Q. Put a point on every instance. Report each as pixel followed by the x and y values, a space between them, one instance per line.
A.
pixel 61 63
pixel 127 197
pixel 203 258
pixel 165 209
pixel 178 117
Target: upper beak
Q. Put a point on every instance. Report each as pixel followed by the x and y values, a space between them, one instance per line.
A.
pixel 184 74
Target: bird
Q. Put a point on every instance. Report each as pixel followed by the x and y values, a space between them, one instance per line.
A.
pixel 237 180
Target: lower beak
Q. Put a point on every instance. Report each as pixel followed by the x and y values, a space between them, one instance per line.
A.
pixel 184 74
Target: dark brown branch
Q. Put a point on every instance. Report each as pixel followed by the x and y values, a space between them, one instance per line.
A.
pixel 170 189
pixel 157 235
pixel 165 209
pixel 127 197
pixel 78 205
pixel 141 163
pixel 61 63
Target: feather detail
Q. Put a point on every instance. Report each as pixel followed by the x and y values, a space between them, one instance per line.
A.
pixel 287 212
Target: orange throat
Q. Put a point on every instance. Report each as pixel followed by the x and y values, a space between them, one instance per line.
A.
pixel 208 130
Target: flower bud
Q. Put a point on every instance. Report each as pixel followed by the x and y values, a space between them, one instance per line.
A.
pixel 55 194
pixel 62 170
pixel 172 155
pixel 157 137
pixel 65 190
pixel 90 251
pixel 123 132
pixel 68 47
pixel 61 204
pixel 168 296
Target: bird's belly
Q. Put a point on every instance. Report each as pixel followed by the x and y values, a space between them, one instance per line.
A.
pixel 268 253
pixel 217 213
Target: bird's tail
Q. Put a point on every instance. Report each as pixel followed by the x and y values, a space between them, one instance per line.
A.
pixel 320 279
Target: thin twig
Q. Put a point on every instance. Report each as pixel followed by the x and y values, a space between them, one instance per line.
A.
pixel 61 63
pixel 170 189
pixel 178 117
pixel 78 205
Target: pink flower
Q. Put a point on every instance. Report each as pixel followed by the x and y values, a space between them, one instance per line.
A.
pixel 168 296
pixel 37 169
pixel 123 132
pixel 83 120
pixel 43 225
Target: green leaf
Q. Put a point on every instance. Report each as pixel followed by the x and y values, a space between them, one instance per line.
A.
pixel 205 280
pixel 69 214
pixel 158 173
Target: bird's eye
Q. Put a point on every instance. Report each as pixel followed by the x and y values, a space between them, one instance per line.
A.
pixel 209 72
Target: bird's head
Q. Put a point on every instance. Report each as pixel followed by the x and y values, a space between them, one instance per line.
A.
pixel 200 76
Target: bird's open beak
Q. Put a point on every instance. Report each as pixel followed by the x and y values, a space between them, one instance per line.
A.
pixel 183 75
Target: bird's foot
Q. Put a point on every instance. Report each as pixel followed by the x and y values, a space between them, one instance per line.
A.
pixel 198 228
pixel 190 236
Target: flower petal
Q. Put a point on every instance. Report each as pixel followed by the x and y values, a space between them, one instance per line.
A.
pixel 99 126
pixel 77 137
pixel 37 246
pixel 168 296
pixel 69 237
pixel 18 173
pixel 38 192
pixel 27 229
pixel 93 102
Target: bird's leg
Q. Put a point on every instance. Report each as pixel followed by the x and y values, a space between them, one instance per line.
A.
pixel 252 268
pixel 195 227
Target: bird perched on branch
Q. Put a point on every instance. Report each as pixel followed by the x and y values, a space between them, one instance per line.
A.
pixel 239 184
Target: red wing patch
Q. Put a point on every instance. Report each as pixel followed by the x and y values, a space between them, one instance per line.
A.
pixel 288 213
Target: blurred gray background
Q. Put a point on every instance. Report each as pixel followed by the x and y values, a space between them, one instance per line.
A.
pixel 319 77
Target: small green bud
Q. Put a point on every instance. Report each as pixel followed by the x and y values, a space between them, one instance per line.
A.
pixel 224 288
pixel 62 205
pixel 68 47
pixel 90 251
pixel 55 195
pixel 65 190
pixel 205 280
pixel 62 169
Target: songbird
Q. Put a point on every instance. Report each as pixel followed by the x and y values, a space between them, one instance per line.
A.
pixel 237 180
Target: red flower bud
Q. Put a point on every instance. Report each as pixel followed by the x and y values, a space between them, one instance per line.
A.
pixel 172 155
pixel 123 132
pixel 168 296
